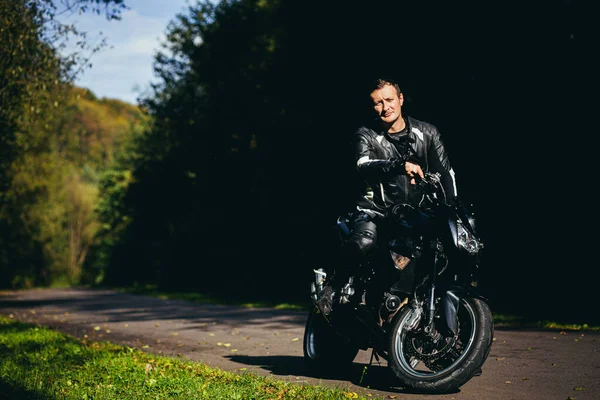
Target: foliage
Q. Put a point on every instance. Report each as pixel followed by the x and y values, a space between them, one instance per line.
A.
pixel 36 362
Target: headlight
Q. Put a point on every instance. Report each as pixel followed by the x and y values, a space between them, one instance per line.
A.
pixel 467 241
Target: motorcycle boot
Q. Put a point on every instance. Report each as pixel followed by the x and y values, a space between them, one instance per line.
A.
pixel 340 288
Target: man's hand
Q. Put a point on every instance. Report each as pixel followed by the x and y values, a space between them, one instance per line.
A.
pixel 412 169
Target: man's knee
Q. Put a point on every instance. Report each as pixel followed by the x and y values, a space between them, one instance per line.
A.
pixel 364 236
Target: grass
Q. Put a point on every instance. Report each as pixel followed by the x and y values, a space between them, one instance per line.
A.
pixel 514 321
pixel 38 363
pixel 500 320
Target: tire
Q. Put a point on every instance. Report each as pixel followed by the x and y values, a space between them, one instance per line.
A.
pixel 324 349
pixel 461 360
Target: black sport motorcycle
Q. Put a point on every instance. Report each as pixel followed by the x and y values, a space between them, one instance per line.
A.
pixel 436 335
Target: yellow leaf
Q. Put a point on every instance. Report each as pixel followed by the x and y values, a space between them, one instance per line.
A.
pixel 295 339
pixel 233 350
pixel 96 328
pixel 226 344
pixel 145 346
pixel 219 344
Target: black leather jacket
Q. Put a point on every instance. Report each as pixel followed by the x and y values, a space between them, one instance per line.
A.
pixel 380 162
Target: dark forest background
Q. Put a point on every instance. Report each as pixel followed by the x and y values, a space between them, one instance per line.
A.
pixel 231 177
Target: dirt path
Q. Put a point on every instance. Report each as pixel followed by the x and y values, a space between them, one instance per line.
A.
pixel 522 364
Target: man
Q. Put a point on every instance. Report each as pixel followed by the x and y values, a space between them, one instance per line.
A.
pixel 389 152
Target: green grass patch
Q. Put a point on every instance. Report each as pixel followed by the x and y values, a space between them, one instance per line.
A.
pixel 516 321
pixel 38 363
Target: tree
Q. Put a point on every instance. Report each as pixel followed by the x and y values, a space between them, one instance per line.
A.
pixel 45 200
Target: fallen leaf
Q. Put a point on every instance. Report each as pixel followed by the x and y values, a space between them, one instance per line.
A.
pixel 233 350
pixel 295 339
pixel 96 328
pixel 145 346
pixel 148 368
pixel 508 382
pixel 157 324
pixel 211 334
pixel 219 344
pixel 578 389
pixel 226 344
pixel 500 358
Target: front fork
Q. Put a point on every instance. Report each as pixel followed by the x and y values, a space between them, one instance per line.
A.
pixel 429 328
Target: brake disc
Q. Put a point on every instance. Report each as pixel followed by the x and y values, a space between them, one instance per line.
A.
pixel 416 348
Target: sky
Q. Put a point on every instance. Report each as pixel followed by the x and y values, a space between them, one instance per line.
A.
pixel 123 69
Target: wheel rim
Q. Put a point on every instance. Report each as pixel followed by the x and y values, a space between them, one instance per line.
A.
pixel 417 363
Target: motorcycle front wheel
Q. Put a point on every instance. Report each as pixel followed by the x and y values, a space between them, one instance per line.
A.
pixel 425 366
pixel 324 349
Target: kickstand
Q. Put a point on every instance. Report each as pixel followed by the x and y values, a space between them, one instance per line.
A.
pixel 374 354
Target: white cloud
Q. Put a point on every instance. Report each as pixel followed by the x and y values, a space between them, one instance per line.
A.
pixel 132 43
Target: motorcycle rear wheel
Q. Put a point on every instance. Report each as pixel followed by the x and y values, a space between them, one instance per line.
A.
pixel 461 360
pixel 324 349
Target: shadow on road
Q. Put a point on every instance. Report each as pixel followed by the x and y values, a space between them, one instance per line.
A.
pixel 146 308
pixel 374 377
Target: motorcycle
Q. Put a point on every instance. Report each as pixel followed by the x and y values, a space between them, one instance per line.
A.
pixel 436 335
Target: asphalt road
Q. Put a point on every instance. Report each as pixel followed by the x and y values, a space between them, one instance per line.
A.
pixel 523 364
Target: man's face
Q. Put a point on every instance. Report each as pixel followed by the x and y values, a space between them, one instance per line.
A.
pixel 387 103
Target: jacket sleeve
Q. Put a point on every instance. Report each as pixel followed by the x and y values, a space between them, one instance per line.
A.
pixel 439 162
pixel 366 164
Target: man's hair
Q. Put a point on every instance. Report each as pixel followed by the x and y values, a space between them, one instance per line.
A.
pixel 381 82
